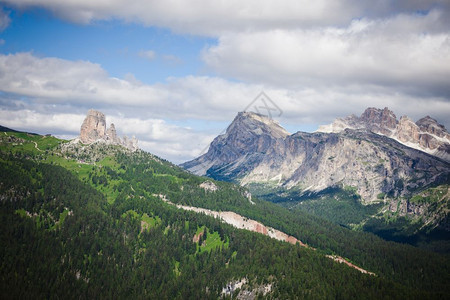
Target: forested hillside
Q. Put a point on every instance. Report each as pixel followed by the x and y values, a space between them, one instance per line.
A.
pixel 87 221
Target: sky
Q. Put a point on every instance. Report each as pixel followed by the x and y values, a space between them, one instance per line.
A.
pixel 175 73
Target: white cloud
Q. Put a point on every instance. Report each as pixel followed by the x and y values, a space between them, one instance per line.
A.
pixel 29 120
pixel 409 53
pixel 217 17
pixel 81 83
pixel 166 140
pixel 53 79
pixel 148 54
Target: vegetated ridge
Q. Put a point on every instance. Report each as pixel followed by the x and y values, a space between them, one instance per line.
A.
pixel 93 212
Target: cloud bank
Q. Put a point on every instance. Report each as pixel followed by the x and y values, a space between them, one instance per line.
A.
pixel 379 54
pixel 217 17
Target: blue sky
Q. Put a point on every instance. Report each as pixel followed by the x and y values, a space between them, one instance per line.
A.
pixel 117 46
pixel 175 73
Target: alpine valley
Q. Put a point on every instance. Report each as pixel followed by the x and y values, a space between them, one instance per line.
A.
pixel 373 172
pixel 98 218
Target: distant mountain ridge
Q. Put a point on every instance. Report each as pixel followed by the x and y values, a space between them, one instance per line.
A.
pixel 257 150
pixel 426 134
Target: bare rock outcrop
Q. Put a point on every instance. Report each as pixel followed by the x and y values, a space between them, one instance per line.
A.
pixel 431 126
pixel 93 127
pixel 94 130
pixel 209 186
pixel 407 130
pixel 111 134
pixel 426 134
pixel 255 150
pixel 379 121
pixel 129 143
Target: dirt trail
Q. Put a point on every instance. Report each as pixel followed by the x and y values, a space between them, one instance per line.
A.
pixel 36 146
pixel 241 222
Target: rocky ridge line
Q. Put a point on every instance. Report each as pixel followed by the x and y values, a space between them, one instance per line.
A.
pixel 255 150
pixel 426 134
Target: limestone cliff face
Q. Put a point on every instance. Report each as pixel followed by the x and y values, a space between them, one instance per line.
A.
pixel 94 129
pixel 111 134
pixel 431 126
pixel 255 149
pixel 407 130
pixel 246 140
pixel 426 134
pixel 379 121
pixel 371 163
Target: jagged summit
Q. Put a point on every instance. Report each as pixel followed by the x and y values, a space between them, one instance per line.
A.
pixel 430 125
pixel 257 124
pixel 377 120
pixel 93 127
pixel 256 149
pixel 94 130
pixel 248 137
pixel 426 134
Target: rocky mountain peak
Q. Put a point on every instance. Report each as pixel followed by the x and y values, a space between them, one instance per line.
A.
pixel 111 133
pixel 426 134
pixel 250 134
pixel 381 120
pixel 94 129
pixel 255 149
pixel 428 121
pixel 257 124
pixel 430 125
pixel 407 130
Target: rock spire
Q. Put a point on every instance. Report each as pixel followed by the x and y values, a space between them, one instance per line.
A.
pixel 94 129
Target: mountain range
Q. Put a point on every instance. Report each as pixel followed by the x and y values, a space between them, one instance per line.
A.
pixel 92 218
pixel 369 156
pixel 426 134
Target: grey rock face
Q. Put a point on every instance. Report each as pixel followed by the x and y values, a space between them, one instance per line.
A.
pixel 426 134
pixel 255 149
pixel 379 121
pixel 246 140
pixel 431 126
pixel 111 134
